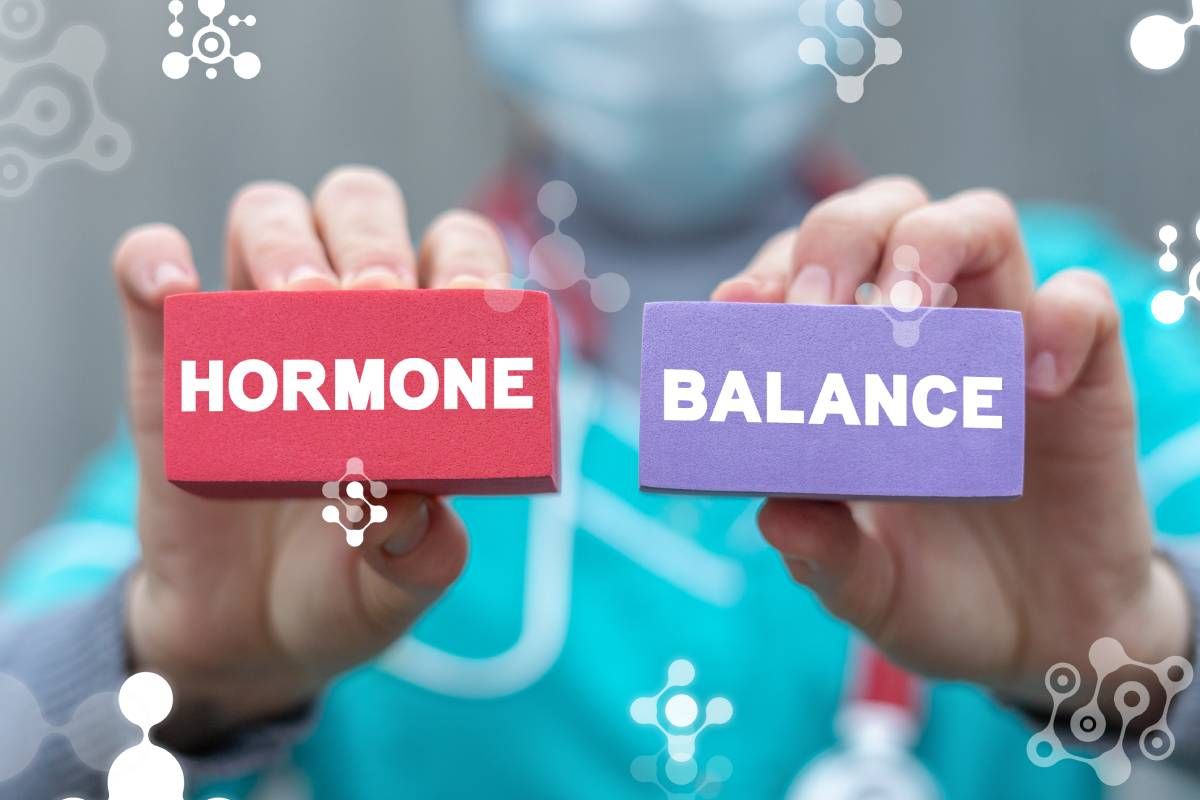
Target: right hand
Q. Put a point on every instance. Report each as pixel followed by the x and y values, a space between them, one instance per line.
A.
pixel 249 608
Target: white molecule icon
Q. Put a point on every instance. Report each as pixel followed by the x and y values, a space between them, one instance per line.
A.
pixel 1159 42
pixel 55 102
pixel 1169 306
pixel 906 305
pixel 676 713
pixel 210 45
pixel 556 261
pixel 1088 723
pixel 850 50
pixel 359 511
pixel 145 771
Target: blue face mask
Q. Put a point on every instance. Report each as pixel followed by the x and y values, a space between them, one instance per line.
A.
pixel 666 114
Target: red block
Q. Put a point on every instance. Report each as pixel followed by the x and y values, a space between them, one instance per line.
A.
pixel 435 390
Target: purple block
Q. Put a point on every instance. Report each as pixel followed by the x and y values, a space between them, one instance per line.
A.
pixel 803 432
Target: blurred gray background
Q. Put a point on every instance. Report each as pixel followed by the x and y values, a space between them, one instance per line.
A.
pixel 1040 99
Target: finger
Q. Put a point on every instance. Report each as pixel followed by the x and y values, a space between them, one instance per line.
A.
pixel 149 264
pixel 363 221
pixel 840 244
pixel 410 561
pixel 852 573
pixel 765 279
pixel 1081 424
pixel 273 242
pixel 968 247
pixel 464 250
pixel 1073 337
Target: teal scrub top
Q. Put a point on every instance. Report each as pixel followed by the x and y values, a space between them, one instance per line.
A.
pixel 518 683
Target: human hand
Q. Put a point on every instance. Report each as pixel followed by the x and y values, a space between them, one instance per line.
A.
pixel 993 592
pixel 249 608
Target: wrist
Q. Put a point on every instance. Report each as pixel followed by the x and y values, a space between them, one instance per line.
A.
pixel 1153 624
pixel 216 692
pixel 1168 623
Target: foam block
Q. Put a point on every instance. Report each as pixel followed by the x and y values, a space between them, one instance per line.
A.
pixel 789 405
pixel 434 390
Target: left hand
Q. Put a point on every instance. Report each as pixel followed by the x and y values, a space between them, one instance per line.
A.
pixel 992 592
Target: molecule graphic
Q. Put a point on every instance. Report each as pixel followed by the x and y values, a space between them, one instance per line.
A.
pixel 59 115
pixel 1159 42
pixel 145 771
pixel 1168 306
pixel 677 715
pixel 210 44
pixel 96 731
pixel 1088 723
pixel 356 483
pixel 905 307
pixel 556 261
pixel 851 52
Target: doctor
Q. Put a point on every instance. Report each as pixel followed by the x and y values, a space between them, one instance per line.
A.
pixel 405 669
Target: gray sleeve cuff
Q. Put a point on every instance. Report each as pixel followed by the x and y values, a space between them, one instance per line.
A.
pixel 1184 717
pixel 61 673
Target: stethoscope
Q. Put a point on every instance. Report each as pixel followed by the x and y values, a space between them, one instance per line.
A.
pixel 553 520
pixel 877 725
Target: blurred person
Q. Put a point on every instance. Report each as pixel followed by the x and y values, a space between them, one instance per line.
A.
pixel 686 130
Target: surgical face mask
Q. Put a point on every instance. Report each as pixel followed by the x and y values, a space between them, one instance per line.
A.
pixel 668 115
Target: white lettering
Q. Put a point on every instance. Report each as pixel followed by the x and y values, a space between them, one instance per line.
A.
pixel 735 398
pixel 399 392
pixel 310 385
pixel 893 403
pixel 881 400
pixel 237 385
pixel 359 388
pixel 356 390
pixel 933 383
pixel 682 386
pixel 213 385
pixel 834 399
pixel 505 383
pixel 472 388
pixel 975 401
pixel 775 410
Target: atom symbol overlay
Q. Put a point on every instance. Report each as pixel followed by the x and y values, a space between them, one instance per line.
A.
pixel 1159 42
pixel 676 713
pixel 357 510
pixel 1089 723
pixel 852 66
pixel 557 262
pixel 907 304
pixel 211 44
pixel 1169 306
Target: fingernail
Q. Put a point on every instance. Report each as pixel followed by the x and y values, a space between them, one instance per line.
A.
pixel 411 532
pixel 306 272
pixel 467 282
pixel 813 286
pixel 741 287
pixel 374 277
pixel 1043 373
pixel 165 274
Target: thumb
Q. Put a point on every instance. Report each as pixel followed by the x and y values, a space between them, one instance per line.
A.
pixel 150 263
pixel 409 561
pixel 851 572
